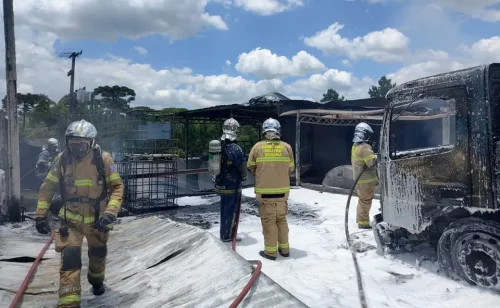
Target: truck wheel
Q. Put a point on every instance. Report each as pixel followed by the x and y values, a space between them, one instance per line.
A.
pixel 470 249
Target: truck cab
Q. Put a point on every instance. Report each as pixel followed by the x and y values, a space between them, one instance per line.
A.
pixel 439 170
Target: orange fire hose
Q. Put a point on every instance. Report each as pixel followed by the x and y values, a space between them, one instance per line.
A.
pixel 24 285
pixel 256 271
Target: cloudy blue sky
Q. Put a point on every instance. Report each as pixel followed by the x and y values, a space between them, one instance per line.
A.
pixel 198 53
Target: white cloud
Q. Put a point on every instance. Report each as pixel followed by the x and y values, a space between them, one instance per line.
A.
pixel 268 7
pixel 82 19
pixel 265 64
pixel 425 69
pixel 343 82
pixel 484 50
pixel 486 10
pixel 346 62
pixel 432 62
pixel 481 9
pixel 141 50
pixel 388 45
pixel 40 70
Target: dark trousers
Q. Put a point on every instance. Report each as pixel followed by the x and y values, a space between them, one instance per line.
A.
pixel 229 208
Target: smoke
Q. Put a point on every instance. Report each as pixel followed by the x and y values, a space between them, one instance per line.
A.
pixel 429 26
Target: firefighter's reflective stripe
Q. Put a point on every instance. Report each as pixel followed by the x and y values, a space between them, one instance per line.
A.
pixel 42 205
pixel 112 178
pixel 366 181
pixel 69 299
pixel 114 203
pixel 96 275
pixel 84 182
pixel 278 190
pixel 77 217
pixel 51 177
pixel 364 223
pixel 359 162
pixel 357 158
pixel 271 162
pixel 273 159
pixel 271 249
pixel 284 246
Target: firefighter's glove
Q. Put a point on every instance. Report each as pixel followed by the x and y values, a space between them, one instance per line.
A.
pixel 42 225
pixel 104 224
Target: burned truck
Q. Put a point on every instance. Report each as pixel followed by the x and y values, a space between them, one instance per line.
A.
pixel 439 170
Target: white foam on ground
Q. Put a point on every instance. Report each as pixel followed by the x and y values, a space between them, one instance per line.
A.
pixel 320 271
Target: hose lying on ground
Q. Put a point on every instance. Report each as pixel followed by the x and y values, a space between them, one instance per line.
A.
pixel 28 277
pixel 29 217
pixel 361 291
pixel 256 271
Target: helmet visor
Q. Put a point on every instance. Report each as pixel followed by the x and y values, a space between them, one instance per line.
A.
pixel 79 147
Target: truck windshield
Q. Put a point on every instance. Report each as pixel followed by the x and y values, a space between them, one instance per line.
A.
pixel 402 111
pixel 423 124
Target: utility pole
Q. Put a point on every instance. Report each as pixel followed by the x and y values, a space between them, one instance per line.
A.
pixel 12 174
pixel 71 73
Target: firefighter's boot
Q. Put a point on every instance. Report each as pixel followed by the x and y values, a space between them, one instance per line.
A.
pixel 286 255
pixel 98 289
pixel 364 225
pixel 264 255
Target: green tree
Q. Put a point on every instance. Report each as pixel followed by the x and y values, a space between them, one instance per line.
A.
pixel 384 85
pixel 47 112
pixel 115 97
pixel 332 95
pixel 26 103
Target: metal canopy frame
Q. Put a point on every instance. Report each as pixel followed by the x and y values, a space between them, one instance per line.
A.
pixel 330 118
pixel 342 118
pixel 248 115
pixel 336 117
pixel 319 120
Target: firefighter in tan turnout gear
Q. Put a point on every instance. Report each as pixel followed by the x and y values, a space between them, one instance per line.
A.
pixel 271 162
pixel 362 157
pixel 91 191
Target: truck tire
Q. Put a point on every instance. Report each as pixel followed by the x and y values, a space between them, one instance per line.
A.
pixel 469 249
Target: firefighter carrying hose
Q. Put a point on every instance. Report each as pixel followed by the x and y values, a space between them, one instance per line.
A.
pixel 92 191
pixel 362 156
pixel 44 164
pixel 271 162
pixel 228 181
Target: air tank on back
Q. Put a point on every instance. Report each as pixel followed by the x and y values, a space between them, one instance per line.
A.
pixel 214 157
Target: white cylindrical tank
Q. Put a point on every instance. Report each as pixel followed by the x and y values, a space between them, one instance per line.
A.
pixel 214 157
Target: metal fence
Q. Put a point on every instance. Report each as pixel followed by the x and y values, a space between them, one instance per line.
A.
pixel 123 134
pixel 146 146
pixel 150 182
pixel 146 153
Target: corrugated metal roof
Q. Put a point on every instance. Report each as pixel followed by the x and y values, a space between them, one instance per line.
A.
pixel 141 272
